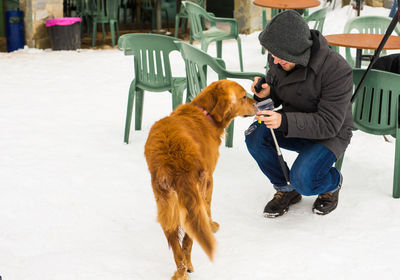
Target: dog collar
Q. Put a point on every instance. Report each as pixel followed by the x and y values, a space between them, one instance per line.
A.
pixel 207 114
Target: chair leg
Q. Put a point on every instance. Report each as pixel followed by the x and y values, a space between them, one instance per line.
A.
pixel 167 19
pixel 191 37
pixel 183 26
pixel 112 33
pixel 239 42
pixel 88 26
pixel 396 176
pixel 335 48
pixel 139 96
pixel 264 23
pixel 153 19
pixel 188 96
pixel 229 134
pixel 204 46
pixel 117 28
pixel 141 20
pixel 103 29
pixel 266 65
pixel 128 119
pixel 339 162
pixel 94 31
pixel 124 8
pixel 176 25
pixel 177 96
pixel 219 49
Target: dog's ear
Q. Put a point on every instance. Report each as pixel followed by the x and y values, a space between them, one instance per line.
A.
pixel 221 108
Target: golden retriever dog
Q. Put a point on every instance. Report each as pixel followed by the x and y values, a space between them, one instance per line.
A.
pixel 181 153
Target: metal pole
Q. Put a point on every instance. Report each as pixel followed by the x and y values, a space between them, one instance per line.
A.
pixel 280 156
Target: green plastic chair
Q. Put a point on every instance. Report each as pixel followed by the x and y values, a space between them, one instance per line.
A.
pixel 84 12
pixel 196 64
pixel 152 69
pixel 104 12
pixel 317 19
pixel 148 6
pixel 183 15
pixel 367 24
pixel 196 16
pixel 376 111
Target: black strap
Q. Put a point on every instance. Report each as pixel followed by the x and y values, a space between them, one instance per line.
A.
pixel 377 52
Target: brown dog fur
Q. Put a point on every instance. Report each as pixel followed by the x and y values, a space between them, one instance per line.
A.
pixel 181 153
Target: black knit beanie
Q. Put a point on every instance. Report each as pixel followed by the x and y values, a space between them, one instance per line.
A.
pixel 288 37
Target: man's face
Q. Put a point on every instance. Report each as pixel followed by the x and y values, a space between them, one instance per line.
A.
pixel 286 65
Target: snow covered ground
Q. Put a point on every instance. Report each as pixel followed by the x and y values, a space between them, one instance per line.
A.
pixel 76 203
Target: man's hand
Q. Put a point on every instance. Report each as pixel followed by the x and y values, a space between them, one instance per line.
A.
pixel 265 88
pixel 271 119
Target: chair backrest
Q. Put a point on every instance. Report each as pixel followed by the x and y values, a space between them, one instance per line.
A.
pixel 80 7
pixel 196 62
pixel 376 108
pixel 367 24
pixel 201 3
pixel 196 15
pixel 317 19
pixel 152 65
pixel 112 7
pixel 182 10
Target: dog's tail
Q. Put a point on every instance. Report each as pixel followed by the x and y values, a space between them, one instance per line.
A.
pixel 193 213
pixel 181 203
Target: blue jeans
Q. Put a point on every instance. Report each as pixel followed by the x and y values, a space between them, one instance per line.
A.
pixel 311 173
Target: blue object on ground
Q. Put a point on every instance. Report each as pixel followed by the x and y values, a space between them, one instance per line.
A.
pixel 15 30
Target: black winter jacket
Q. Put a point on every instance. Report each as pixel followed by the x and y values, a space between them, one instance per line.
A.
pixel 315 99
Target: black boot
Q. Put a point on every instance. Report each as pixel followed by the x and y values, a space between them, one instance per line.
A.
pixel 327 202
pixel 279 205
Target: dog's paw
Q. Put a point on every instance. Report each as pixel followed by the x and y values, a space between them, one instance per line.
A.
pixel 180 275
pixel 190 268
pixel 214 226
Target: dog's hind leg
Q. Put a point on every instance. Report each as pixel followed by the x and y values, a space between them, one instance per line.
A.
pixel 179 256
pixel 187 243
pixel 209 189
pixel 168 217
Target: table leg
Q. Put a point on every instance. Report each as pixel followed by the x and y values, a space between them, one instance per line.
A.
pixel 159 20
pixel 358 7
pixel 138 12
pixel 358 58
pixel 158 15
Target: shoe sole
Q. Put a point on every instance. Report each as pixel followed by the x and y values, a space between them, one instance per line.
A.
pixel 316 211
pixel 274 215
